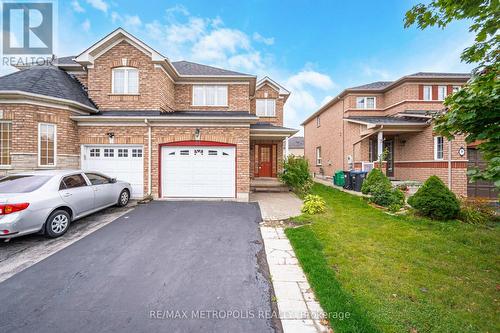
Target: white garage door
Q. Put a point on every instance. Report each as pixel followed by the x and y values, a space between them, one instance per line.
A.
pixel 198 172
pixel 120 162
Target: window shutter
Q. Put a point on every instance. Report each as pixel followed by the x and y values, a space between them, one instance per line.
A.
pixel 449 89
pixel 434 93
pixel 421 92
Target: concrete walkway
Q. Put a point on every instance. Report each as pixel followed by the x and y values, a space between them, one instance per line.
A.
pixel 298 309
pixel 277 206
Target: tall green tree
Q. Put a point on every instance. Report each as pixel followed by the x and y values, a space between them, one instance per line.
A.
pixel 475 109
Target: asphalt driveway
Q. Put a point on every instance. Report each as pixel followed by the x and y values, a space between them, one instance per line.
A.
pixel 163 267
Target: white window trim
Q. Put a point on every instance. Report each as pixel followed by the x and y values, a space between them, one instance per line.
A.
pixel 430 93
pixel 445 92
pixel 365 104
pixel 266 110
pixel 9 146
pixel 205 94
pixel 436 150
pixel 125 81
pixel 319 160
pixel 40 147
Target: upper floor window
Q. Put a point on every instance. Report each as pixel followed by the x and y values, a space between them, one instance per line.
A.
pixel 266 107
pixel 442 91
pixel 125 80
pixel 318 121
pixel 47 135
pixel 427 93
pixel 455 89
pixel 5 142
pixel 210 95
pixel 438 147
pixel 365 102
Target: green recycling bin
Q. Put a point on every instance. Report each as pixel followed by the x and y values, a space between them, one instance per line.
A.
pixel 339 178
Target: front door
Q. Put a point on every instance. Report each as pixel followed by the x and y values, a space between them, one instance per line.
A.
pixel 265 161
pixel 389 145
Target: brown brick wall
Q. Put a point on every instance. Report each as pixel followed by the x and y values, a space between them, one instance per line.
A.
pixel 238 98
pixel 271 94
pixel 24 150
pixel 156 90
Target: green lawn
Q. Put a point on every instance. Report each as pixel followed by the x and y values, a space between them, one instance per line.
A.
pixel 399 274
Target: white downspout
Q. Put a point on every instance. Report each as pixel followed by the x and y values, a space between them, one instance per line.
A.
pixel 149 158
pixel 286 147
pixel 449 164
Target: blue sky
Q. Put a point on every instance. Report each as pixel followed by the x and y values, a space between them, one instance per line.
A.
pixel 313 50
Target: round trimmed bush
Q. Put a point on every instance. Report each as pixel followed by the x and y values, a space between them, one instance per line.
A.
pixel 435 200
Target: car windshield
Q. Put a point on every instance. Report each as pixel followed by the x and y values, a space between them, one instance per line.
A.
pixel 22 183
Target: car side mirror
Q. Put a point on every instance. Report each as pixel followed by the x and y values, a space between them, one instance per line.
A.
pixel 113 180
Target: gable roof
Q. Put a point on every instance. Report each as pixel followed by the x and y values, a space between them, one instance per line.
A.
pixel 192 68
pixel 383 86
pixel 47 81
pixel 279 88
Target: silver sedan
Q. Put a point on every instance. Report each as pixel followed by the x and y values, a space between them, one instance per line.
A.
pixel 48 201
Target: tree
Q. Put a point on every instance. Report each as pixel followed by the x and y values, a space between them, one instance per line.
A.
pixel 475 109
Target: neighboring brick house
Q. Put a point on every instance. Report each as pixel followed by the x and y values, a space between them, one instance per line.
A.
pixel 172 129
pixel 351 130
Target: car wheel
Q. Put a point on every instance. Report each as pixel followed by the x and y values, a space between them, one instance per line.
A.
pixel 123 198
pixel 57 224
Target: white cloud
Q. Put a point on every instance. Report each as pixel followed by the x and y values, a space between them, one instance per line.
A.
pixel 310 78
pixel 308 87
pixel 77 7
pixel 99 5
pixel 132 21
pixel 115 17
pixel 259 38
pixel 86 25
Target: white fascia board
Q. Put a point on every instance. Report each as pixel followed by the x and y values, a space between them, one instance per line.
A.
pixel 162 119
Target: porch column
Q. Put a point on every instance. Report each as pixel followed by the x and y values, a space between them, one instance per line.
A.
pixel 380 144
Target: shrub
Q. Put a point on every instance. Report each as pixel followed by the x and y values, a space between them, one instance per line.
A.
pixel 388 197
pixel 296 174
pixel 313 204
pixel 476 211
pixel 380 188
pixel 435 200
pixel 374 179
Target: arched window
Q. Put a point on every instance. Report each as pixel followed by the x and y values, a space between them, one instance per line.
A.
pixel 125 80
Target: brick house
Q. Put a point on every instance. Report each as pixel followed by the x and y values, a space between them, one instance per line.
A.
pixel 351 130
pixel 172 129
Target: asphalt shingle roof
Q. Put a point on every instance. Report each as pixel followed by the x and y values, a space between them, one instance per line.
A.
pixel 48 81
pixel 382 120
pixel 374 85
pixel 269 126
pixel 296 142
pixel 191 68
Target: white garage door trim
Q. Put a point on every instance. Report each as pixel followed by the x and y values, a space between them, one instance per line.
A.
pixel 200 170
pixel 126 164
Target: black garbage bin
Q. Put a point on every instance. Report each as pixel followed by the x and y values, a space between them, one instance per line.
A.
pixel 347 180
pixel 357 178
